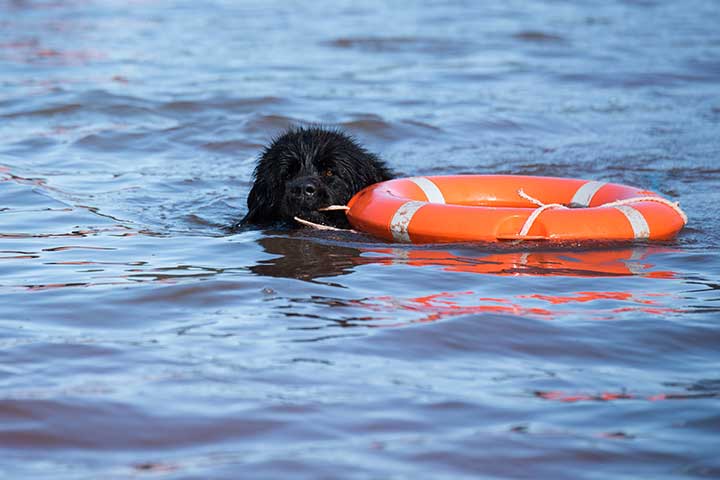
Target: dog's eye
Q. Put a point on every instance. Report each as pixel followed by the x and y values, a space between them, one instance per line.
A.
pixel 328 173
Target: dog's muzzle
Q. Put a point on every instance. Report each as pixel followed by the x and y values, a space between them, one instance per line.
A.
pixel 304 188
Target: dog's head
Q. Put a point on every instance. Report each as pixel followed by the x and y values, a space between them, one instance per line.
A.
pixel 306 169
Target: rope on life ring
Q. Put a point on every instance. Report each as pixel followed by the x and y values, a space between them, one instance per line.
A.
pixel 618 203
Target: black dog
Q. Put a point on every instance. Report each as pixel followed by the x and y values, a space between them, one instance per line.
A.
pixel 306 169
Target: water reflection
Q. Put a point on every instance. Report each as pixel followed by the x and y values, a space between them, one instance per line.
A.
pixel 395 311
pixel 627 261
pixel 34 46
pixel 305 259
pixel 308 259
pixel 706 388
pixel 313 258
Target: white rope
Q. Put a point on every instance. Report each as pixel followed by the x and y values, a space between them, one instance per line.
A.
pixel 550 206
pixel 319 226
pixel 536 213
pixel 674 205
pixel 334 207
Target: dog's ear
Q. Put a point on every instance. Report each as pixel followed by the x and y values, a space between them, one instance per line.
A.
pixel 380 172
pixel 262 204
pixel 370 170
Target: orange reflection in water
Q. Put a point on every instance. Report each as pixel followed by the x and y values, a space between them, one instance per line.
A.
pixel 34 51
pixel 582 297
pixel 565 397
pixel 614 262
pixel 443 305
pixel 635 302
pixel 585 304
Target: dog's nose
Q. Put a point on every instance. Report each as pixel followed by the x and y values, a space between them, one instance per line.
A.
pixel 309 189
pixel 303 188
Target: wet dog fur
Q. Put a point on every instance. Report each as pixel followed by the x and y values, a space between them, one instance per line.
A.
pixel 308 168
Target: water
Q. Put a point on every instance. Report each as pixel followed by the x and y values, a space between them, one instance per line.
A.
pixel 140 340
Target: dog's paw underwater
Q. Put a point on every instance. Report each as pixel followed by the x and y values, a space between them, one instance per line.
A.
pixel 305 170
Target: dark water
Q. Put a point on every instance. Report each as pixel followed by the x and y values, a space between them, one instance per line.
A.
pixel 139 340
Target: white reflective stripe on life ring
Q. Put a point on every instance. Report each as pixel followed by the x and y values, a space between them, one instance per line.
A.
pixel 401 220
pixel 640 227
pixel 431 191
pixel 585 194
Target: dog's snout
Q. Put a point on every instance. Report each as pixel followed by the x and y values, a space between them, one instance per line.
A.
pixel 304 187
pixel 309 189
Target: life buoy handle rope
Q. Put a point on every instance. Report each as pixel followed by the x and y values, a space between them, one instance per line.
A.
pixel 674 205
pixel 535 214
pixel 618 203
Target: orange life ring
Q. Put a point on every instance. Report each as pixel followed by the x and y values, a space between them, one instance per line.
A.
pixel 466 208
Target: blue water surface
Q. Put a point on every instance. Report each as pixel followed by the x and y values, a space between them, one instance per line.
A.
pixel 139 338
